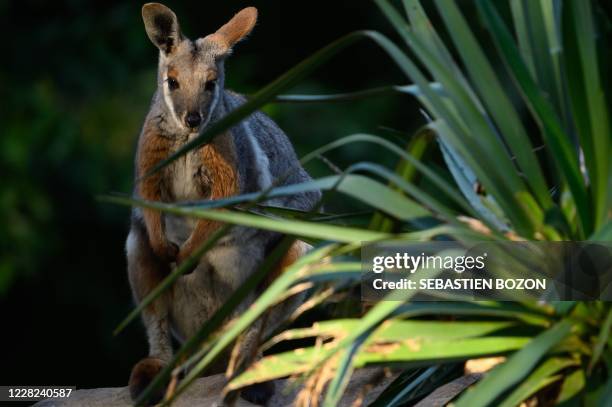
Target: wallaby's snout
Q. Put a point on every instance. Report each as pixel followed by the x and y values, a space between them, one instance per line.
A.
pixel 193 120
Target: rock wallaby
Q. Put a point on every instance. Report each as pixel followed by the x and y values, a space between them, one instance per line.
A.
pixel 249 157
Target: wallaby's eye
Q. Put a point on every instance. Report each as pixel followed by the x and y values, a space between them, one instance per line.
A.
pixel 172 84
pixel 210 85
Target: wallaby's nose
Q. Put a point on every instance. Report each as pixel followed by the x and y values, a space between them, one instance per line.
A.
pixel 193 119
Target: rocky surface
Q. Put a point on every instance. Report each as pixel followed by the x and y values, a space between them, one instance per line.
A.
pixel 206 392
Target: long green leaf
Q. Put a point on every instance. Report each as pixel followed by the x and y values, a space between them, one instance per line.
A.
pixel 290 227
pixel 407 352
pixel 397 329
pixel 351 96
pixel 434 351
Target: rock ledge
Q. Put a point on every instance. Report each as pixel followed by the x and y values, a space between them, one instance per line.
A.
pixel 206 392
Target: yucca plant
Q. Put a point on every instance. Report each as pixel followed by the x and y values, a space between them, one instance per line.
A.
pixel 488 137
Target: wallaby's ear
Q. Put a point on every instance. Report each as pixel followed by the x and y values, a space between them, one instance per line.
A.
pixel 162 26
pixel 235 29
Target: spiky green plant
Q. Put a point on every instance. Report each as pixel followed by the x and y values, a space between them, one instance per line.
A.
pixel 551 49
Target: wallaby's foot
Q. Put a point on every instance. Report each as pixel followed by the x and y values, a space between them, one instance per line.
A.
pixel 142 375
pixel 258 393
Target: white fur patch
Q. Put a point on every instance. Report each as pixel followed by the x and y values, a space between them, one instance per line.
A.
pixel 130 243
pixel 169 104
pixel 166 91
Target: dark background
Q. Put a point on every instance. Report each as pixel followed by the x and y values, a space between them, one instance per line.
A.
pixel 76 79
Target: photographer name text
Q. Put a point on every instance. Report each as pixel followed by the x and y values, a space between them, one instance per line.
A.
pixel 461 284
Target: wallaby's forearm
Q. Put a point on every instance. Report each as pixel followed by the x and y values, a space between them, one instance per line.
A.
pixel 202 231
pixel 152 150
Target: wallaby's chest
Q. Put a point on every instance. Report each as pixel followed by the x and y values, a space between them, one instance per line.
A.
pixel 184 180
pixel 188 179
pixel 209 172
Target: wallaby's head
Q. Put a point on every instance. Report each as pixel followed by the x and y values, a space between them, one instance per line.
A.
pixel 190 77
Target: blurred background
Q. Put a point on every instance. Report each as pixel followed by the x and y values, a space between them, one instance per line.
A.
pixel 76 80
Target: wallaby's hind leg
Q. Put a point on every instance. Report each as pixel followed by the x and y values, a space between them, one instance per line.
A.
pixel 142 375
pixel 145 271
pixel 244 353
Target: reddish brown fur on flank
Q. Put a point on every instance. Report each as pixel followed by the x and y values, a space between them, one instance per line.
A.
pixel 220 157
pixel 152 149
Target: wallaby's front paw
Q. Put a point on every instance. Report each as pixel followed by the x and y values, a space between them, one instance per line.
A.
pixel 258 393
pixel 142 375
pixel 166 251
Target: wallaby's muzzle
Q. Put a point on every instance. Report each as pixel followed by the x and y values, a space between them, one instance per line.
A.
pixel 193 119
